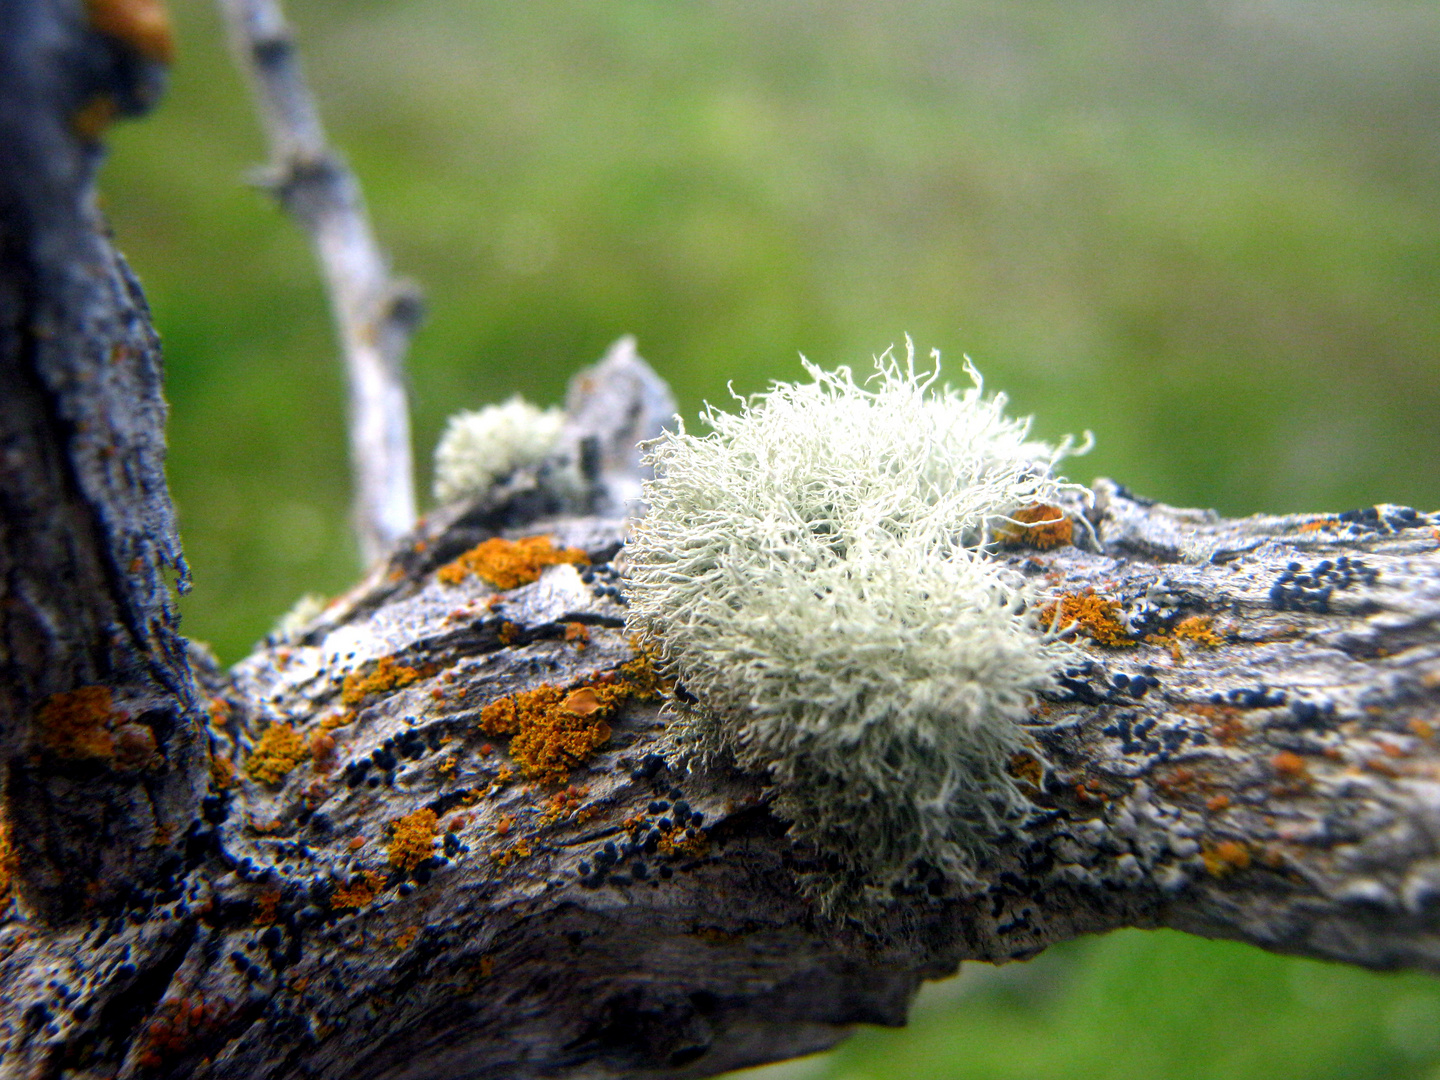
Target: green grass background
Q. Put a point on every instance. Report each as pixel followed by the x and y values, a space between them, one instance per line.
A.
pixel 1208 231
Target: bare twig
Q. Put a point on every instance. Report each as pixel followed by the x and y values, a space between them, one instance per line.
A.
pixel 374 313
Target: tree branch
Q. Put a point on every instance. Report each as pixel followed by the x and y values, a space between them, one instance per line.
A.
pixel 446 830
pixel 100 731
pixel 375 315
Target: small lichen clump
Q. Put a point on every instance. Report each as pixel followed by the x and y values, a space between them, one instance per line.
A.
pixel 79 723
pixel 554 729
pixel 481 447
pixel 387 674
pixel 508 564
pixel 412 839
pixel 814 573
pixel 279 750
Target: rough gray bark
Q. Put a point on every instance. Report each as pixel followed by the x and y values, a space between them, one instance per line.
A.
pixel 1266 769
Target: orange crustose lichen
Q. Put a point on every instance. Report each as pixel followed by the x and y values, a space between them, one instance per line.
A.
pixel 360 890
pixel 279 750
pixel 1198 628
pixel 80 723
pixel 1039 526
pixel 554 729
pixel 386 675
pixel 412 839
pixel 508 564
pixel 144 25
pixel 1095 615
pixel 1225 858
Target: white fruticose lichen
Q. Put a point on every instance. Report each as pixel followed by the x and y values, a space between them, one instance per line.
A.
pixel 813 572
pixel 478 448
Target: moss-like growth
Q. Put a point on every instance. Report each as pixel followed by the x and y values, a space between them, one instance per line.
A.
pixel 814 573
pixel 479 448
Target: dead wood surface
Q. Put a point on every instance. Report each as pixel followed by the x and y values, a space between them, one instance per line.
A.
pixel 330 862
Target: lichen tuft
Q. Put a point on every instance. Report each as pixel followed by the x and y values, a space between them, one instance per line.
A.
pixel 482 447
pixel 815 573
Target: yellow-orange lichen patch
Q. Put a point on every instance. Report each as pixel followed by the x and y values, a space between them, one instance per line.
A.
pixel 386 675
pixel 144 25
pixel 1097 617
pixel 1027 767
pixel 222 771
pixel 562 804
pixel 266 906
pixel 1323 525
pixel 405 938
pixel 689 842
pixel 412 839
pixel 279 750
pixel 359 891
pixel 1421 729
pixel 577 634
pixel 508 633
pixel 503 857
pixel 79 723
pixel 508 564
pixel 9 858
pixel 1039 526
pixel 1224 858
pixel 554 729
pixel 1199 629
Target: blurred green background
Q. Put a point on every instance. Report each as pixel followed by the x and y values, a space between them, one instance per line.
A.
pixel 1208 231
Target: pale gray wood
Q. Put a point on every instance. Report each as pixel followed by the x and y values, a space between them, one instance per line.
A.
pixel 375 314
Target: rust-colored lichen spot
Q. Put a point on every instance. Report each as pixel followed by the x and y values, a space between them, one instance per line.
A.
pixel 358 891
pixel 577 634
pixel 9 862
pixel 1039 526
pixel 405 938
pixel 79 724
pixel 279 750
pixel 1420 728
pixel 1323 525
pixel 1289 764
pixel 680 841
pixel 508 564
pixel 1027 767
pixel 177 1025
pixel 1097 617
pixel 1224 858
pixel 412 839
pixel 503 857
pixel 143 25
pixel 1216 803
pixel 322 752
pixel 508 633
pixel 267 905
pixel 387 674
pixel 554 729
pixel 1199 629
pixel 562 804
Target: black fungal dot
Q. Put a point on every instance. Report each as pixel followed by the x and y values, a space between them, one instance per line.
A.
pixel 659 806
pixel 666 873
pixel 697 819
